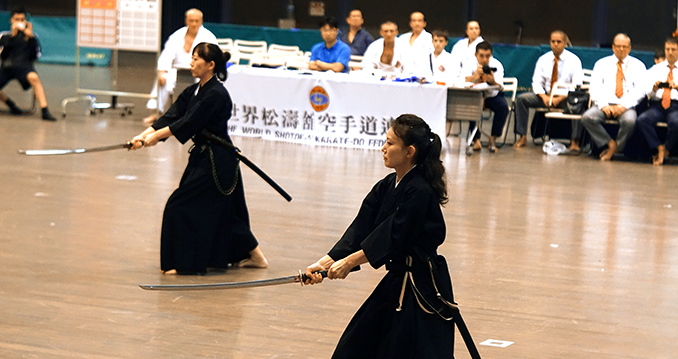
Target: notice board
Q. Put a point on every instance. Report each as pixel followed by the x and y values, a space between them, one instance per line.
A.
pixel 119 24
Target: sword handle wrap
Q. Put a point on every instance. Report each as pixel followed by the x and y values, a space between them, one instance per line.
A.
pixel 128 145
pixel 304 277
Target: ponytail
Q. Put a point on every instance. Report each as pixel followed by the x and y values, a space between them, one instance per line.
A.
pixel 413 131
pixel 211 52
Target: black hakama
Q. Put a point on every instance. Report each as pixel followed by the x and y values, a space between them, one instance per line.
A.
pixel 203 227
pixel 395 223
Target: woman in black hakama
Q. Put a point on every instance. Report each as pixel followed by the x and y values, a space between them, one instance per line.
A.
pixel 205 222
pixel 400 224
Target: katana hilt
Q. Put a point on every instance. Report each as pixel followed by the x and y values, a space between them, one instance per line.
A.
pixel 304 277
pixel 128 145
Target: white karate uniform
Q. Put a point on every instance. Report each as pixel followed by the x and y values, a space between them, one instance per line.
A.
pixel 443 67
pixel 462 51
pixel 372 58
pixel 174 57
pixel 416 56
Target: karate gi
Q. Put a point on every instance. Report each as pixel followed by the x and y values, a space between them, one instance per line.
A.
pixel 173 57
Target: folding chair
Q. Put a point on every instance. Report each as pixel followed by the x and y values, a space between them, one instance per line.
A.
pixel 467 104
pixel 243 50
pixel 226 45
pixel 297 62
pixel 560 114
pixel 275 49
pixel 510 84
pixel 355 61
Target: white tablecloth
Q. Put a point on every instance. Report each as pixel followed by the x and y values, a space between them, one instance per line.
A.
pixel 349 111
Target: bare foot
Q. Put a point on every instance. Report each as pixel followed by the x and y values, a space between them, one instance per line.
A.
pixel 169 272
pixel 477 145
pixel 658 159
pixel 574 145
pixel 492 144
pixel 522 142
pixel 609 152
pixel 256 260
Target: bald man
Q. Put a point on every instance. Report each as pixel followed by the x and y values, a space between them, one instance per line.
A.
pixel 616 88
pixel 177 55
pixel 384 54
pixel 567 69
pixel 417 47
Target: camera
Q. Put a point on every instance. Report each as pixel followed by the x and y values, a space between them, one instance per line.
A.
pixel 663 85
pixel 488 70
pixel 21 26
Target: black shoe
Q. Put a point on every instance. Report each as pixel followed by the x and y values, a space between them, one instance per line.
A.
pixel 47 116
pixel 13 108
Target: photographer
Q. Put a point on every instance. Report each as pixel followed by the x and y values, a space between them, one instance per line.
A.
pixel 20 49
pixel 485 70
pixel 663 93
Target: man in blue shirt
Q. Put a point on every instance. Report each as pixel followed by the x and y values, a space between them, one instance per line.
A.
pixel 331 54
pixel 357 38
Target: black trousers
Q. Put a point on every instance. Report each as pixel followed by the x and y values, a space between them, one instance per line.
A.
pixel 499 106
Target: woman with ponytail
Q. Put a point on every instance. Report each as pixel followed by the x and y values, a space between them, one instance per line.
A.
pixel 206 222
pixel 400 225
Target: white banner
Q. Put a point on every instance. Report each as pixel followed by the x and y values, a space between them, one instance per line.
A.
pixel 326 108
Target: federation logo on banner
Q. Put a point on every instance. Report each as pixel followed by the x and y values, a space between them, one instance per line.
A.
pixel 320 100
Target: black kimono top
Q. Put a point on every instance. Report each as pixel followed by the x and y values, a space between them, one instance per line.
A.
pixel 210 109
pixel 393 220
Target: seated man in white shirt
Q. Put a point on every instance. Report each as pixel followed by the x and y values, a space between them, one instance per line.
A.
pixel 176 55
pixel 466 48
pixel 384 54
pixel 417 46
pixel 483 70
pixel 557 65
pixel 616 88
pixel 441 60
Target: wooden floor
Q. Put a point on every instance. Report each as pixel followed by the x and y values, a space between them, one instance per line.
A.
pixel 566 257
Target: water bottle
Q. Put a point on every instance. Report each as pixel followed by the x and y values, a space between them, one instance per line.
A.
pixel 290 9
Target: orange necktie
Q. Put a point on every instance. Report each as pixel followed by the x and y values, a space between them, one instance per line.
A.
pixel 554 74
pixel 619 89
pixel 666 94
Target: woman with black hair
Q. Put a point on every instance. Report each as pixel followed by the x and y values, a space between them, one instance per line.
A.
pixel 205 223
pixel 400 224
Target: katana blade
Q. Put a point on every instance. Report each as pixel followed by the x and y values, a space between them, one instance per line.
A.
pixel 299 278
pixel 54 152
